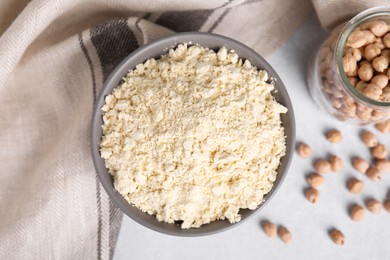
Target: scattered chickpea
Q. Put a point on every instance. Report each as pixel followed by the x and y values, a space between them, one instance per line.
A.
pixel 336 163
pixel 355 186
pixel 373 206
pixel 285 235
pixel 315 180
pixel 379 151
pixel 337 237
pixel 334 136
pixel 322 166
pixel 360 164
pixel 304 150
pixel 374 174
pixel 383 165
pixel 312 195
pixel 383 127
pixel 380 80
pixel 380 64
pixel 357 212
pixel 269 228
pixel 369 139
pixel 386 205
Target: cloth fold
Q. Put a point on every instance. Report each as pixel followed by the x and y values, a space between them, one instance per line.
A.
pixel 55 56
pixel 331 13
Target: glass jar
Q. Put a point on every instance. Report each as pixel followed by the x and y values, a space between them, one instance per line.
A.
pixel 354 96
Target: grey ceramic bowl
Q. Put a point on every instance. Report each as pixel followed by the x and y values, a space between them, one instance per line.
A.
pixel 156 49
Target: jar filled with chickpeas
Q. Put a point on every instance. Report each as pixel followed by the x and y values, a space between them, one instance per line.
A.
pixel 349 76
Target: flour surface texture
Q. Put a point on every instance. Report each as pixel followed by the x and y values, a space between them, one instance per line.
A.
pixel 193 136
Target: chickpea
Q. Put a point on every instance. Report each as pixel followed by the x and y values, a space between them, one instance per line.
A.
pixel 370 37
pixel 383 165
pixel 361 86
pixel 379 42
pixel 337 237
pixel 361 63
pixel 356 39
pixel 304 150
pixel 285 235
pixel 369 139
pixel 336 92
pixel 334 136
pixel 355 186
pixel 322 166
pixel 312 195
pixel 366 72
pixel 269 228
pixel 364 115
pixel 315 180
pixel 354 52
pixel 349 110
pixel 348 101
pixel 383 127
pixel 371 51
pixel 378 28
pixel 386 94
pixel 377 115
pixel 374 174
pixel 386 54
pixel 379 151
pixel 360 164
pixel 329 57
pixel 349 63
pixel 380 64
pixel 336 163
pixel 327 87
pixel 357 212
pixel 336 103
pixel 386 40
pixel 372 91
pixel 386 205
pixel 380 80
pixel 353 80
pixel 373 206
pixel 363 108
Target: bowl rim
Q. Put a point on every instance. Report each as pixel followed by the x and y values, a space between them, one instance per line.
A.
pixel 141 55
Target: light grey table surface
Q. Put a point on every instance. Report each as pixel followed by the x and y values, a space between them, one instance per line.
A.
pixel 309 224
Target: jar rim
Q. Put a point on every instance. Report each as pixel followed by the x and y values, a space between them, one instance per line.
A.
pixel 340 43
